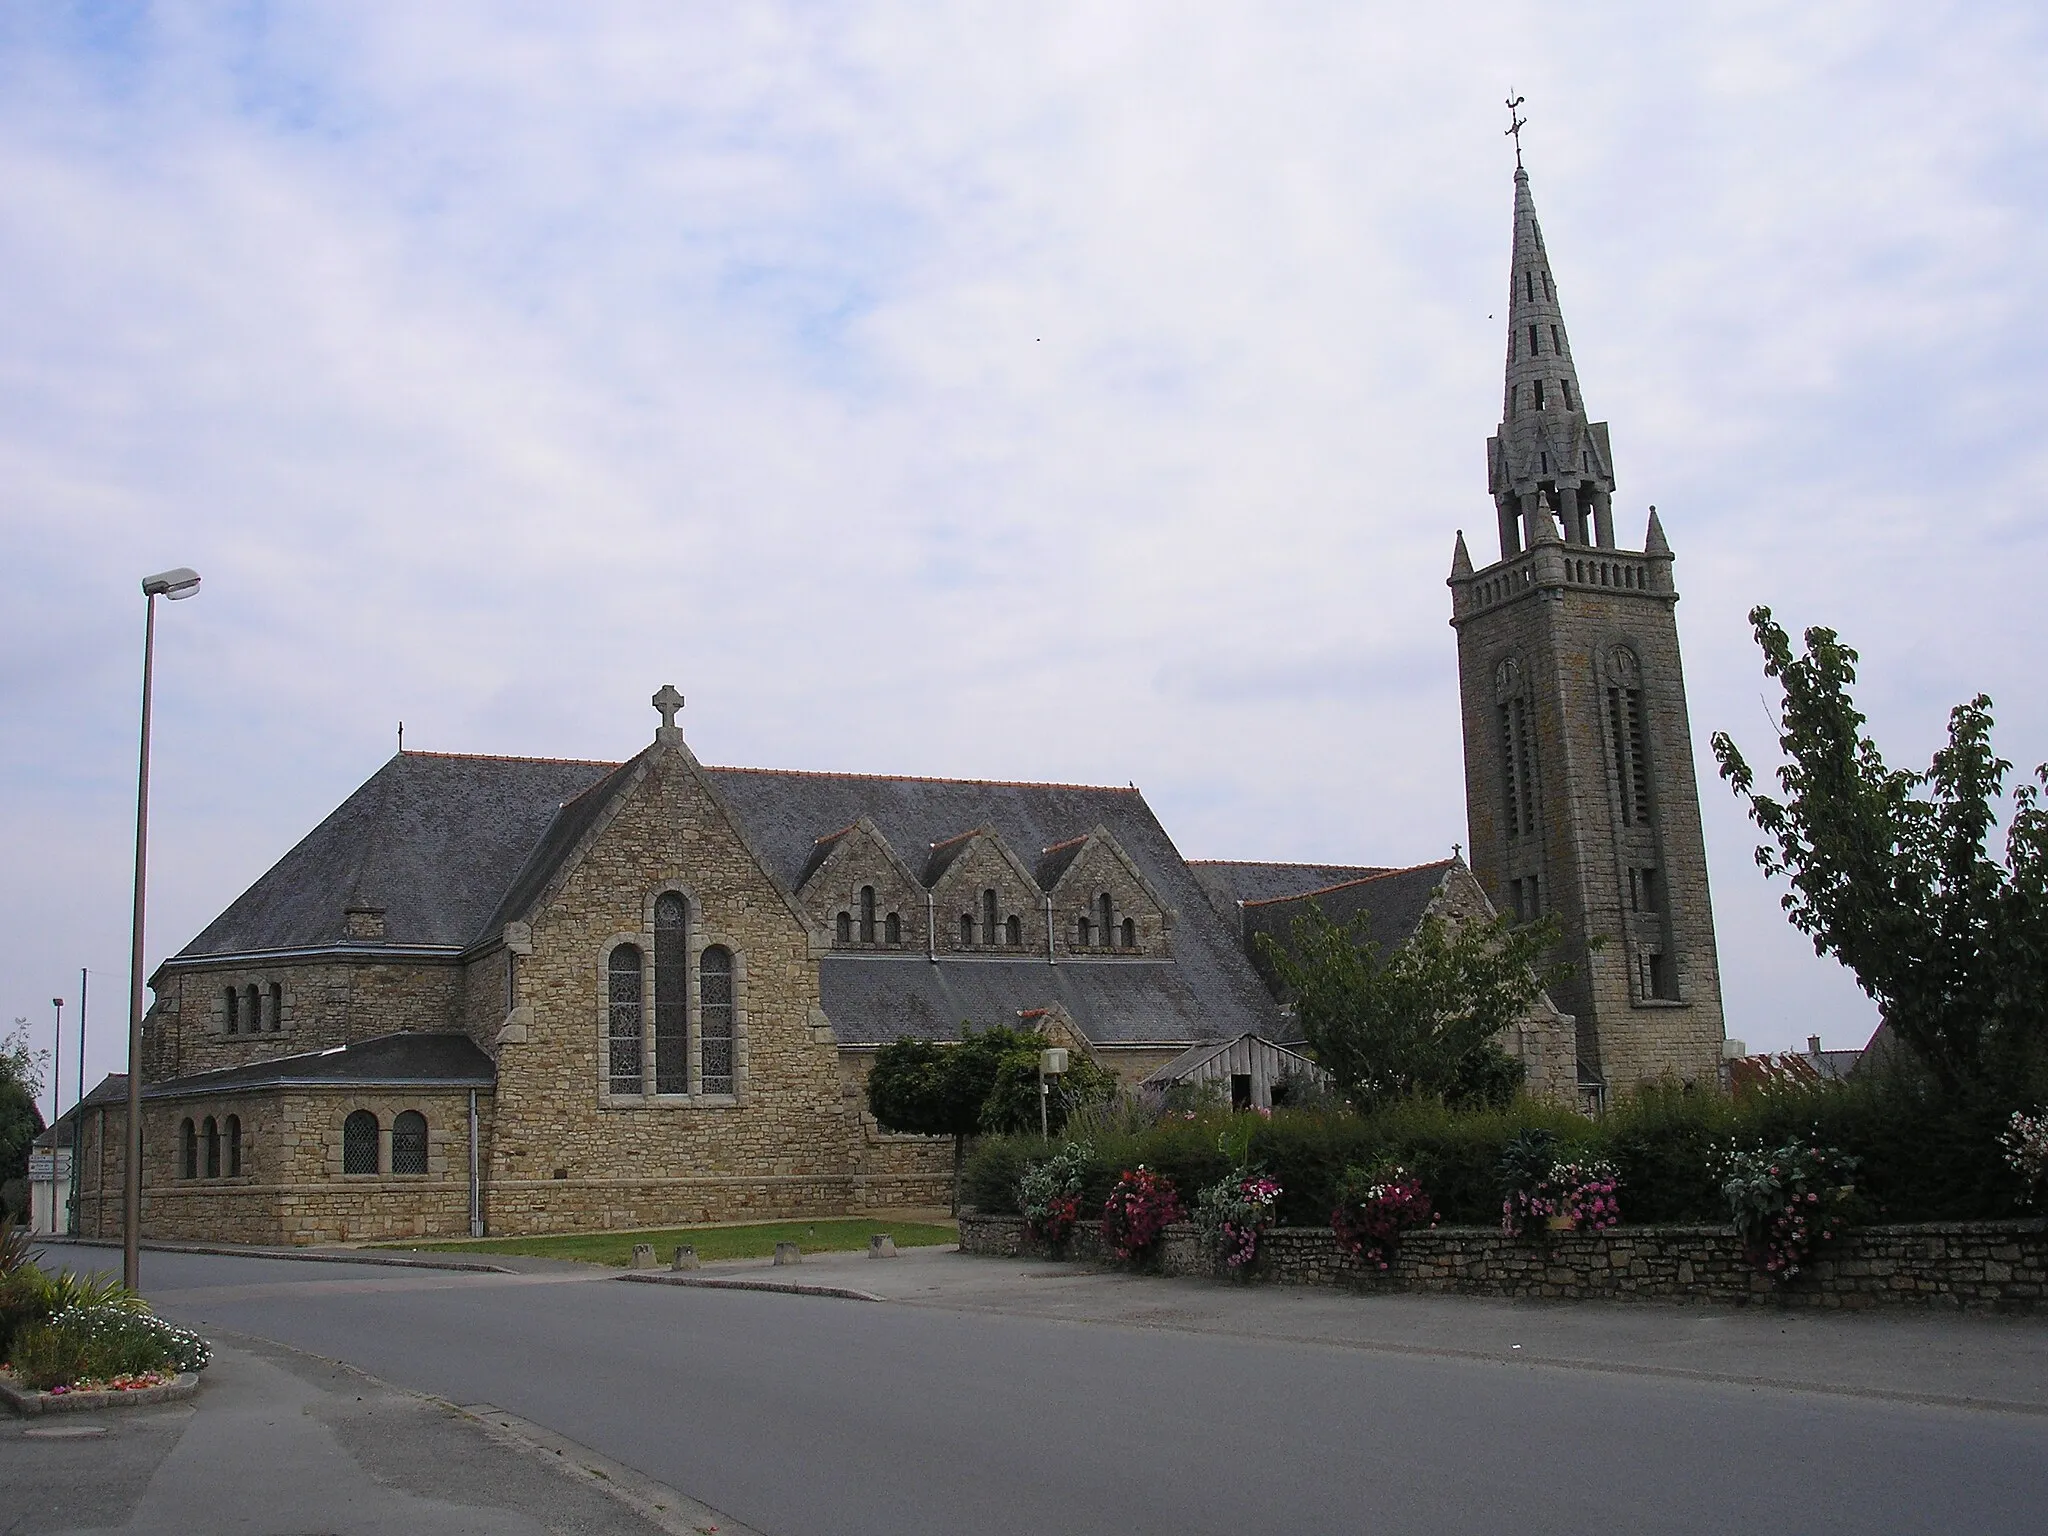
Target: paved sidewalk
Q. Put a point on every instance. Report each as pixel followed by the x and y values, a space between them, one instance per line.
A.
pixel 279 1441
pixel 1930 1357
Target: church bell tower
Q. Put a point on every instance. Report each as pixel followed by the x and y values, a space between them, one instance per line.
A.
pixel 1579 783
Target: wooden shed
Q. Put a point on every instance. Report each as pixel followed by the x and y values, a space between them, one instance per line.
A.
pixel 1248 1068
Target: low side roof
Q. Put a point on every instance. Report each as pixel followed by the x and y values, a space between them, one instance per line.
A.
pixel 1229 881
pixel 434 840
pixel 1395 899
pixel 416 1060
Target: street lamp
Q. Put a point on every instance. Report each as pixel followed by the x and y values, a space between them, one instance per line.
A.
pixel 175 585
pixel 57 1074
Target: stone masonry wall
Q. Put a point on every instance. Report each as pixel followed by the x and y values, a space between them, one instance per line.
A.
pixel 328 1003
pixel 567 1154
pixel 292 1189
pixel 1979 1266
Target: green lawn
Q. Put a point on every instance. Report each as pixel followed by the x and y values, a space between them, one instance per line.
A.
pixel 831 1235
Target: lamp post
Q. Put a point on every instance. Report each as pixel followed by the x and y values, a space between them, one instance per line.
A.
pixel 174 585
pixel 57 1074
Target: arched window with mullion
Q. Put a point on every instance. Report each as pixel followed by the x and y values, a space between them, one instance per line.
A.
pixel 359 1142
pixel 210 1133
pixel 671 994
pixel 625 1020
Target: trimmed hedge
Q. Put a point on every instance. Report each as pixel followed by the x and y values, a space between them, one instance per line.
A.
pixel 1924 1156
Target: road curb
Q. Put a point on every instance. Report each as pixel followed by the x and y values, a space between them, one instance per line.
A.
pixel 716 1283
pixel 297 1255
pixel 31 1404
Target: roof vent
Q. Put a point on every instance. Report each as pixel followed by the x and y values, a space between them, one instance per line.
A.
pixel 364 922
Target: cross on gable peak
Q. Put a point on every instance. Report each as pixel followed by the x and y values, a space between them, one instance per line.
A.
pixel 668 701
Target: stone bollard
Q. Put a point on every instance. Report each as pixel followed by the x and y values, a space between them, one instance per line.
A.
pixel 788 1253
pixel 643 1255
pixel 881 1246
pixel 686 1258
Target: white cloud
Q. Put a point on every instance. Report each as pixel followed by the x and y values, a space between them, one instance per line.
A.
pixel 1072 392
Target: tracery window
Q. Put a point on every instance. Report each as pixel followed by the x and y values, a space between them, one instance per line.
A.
pixel 715 1040
pixel 359 1143
pixel 409 1143
pixel 671 994
pixel 625 1019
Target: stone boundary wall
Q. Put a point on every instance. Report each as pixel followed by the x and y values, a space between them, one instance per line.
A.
pixel 1977 1266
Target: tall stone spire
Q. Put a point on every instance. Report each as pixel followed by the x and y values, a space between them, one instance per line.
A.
pixel 1547 461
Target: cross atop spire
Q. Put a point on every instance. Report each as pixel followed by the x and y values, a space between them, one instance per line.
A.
pixel 1516 123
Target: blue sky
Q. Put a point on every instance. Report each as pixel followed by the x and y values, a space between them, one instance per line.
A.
pixel 1077 392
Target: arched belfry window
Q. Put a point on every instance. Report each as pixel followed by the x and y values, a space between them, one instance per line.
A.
pixel 867 914
pixel 233 1005
pixel 359 1143
pixel 1517 749
pixel 1625 728
pixel 671 994
pixel 255 1000
pixel 714 980
pixel 625 1020
pixel 276 1006
pixel 409 1142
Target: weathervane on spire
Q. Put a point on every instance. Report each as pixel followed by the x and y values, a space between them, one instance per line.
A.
pixel 1516 123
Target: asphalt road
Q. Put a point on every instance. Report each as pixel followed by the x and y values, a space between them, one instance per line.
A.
pixel 806 1416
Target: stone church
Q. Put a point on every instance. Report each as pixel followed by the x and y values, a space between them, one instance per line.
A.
pixel 506 995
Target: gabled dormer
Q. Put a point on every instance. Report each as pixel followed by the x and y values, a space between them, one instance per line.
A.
pixel 861 893
pixel 985 900
pixel 1102 904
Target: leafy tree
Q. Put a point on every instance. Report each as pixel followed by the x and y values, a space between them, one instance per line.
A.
pixel 1891 870
pixel 1423 1019
pixel 1012 1103
pixel 21 1119
pixel 926 1088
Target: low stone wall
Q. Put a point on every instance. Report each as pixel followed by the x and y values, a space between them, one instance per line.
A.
pixel 1980 1266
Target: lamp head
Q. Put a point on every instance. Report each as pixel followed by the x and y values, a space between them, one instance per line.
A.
pixel 175 585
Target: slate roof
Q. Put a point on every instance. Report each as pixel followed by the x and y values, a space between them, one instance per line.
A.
pixel 108 1089
pixel 413 1060
pixel 1396 900
pixel 1229 881
pixel 434 840
pixel 1209 991
pixel 452 848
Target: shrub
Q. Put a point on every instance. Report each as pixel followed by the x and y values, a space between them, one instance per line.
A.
pixel 1787 1201
pixel 104 1344
pixel 1049 1192
pixel 1234 1214
pixel 1137 1213
pixel 2026 1148
pixel 1374 1207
